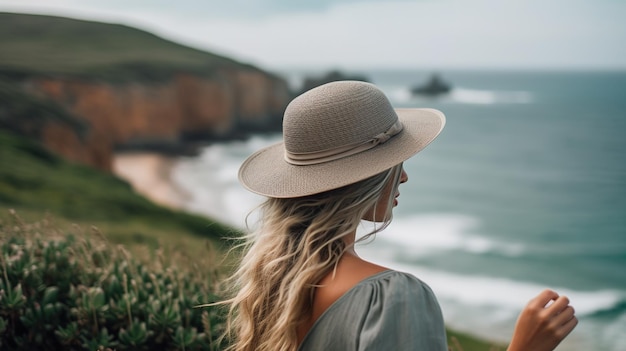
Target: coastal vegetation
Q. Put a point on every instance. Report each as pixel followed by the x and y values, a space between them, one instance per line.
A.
pixel 88 264
pixel 77 291
pixel 35 181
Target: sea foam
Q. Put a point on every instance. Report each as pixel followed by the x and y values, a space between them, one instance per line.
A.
pixel 211 181
pixel 488 97
pixel 430 233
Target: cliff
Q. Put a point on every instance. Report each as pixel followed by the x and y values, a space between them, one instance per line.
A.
pixel 139 92
pixel 160 115
pixel 27 115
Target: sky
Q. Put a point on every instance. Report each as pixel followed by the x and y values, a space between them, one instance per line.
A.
pixel 361 34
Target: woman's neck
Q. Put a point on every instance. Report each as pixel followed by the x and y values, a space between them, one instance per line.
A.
pixel 349 240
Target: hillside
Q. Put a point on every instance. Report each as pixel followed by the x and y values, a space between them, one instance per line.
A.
pixel 34 181
pixel 56 45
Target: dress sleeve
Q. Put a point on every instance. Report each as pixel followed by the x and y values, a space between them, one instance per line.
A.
pixel 403 315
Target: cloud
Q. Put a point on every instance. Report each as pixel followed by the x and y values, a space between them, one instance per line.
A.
pixel 486 34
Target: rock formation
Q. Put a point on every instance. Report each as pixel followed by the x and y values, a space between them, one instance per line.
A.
pixel 150 104
pixel 157 115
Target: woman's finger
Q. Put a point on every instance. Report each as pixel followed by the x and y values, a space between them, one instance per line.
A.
pixel 541 300
pixel 565 316
pixel 568 327
pixel 559 304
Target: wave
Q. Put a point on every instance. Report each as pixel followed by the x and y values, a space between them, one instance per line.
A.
pixel 211 180
pixel 489 306
pixel 512 295
pixel 618 309
pixel 433 233
pixel 424 235
pixel 460 95
pixel 488 97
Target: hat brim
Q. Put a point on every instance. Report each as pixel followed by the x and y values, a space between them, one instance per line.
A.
pixel 267 173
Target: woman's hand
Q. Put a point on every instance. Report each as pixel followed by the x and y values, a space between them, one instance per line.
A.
pixel 541 325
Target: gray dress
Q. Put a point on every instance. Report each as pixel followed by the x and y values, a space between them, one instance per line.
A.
pixel 388 311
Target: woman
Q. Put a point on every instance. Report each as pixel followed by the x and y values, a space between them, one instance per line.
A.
pixel 301 285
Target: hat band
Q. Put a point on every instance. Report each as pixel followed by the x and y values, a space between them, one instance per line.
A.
pixel 312 158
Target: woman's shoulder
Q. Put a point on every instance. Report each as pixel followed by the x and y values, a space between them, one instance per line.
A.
pixel 393 289
pixel 392 283
pixel 389 288
pixel 358 272
pixel 394 277
pixel 390 299
pixel 353 273
pixel 394 300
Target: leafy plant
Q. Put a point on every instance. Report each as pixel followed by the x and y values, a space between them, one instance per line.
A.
pixel 76 291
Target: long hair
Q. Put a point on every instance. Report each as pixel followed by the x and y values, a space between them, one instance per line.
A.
pixel 297 243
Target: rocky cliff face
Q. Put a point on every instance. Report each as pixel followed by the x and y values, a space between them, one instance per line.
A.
pixel 186 106
pixel 85 88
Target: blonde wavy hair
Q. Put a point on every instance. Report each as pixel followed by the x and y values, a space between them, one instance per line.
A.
pixel 297 243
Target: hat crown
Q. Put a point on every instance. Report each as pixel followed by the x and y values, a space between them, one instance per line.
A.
pixel 334 115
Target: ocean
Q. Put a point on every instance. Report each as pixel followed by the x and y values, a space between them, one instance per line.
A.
pixel 525 189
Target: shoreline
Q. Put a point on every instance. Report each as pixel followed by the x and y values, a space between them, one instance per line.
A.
pixel 150 174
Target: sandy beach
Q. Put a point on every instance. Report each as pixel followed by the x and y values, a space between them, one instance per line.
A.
pixel 150 175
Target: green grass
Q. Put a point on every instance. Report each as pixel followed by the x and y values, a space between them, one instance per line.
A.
pixel 37 44
pixel 32 180
pixel 458 341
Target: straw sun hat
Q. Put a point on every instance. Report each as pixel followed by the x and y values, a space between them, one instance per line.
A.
pixel 338 134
